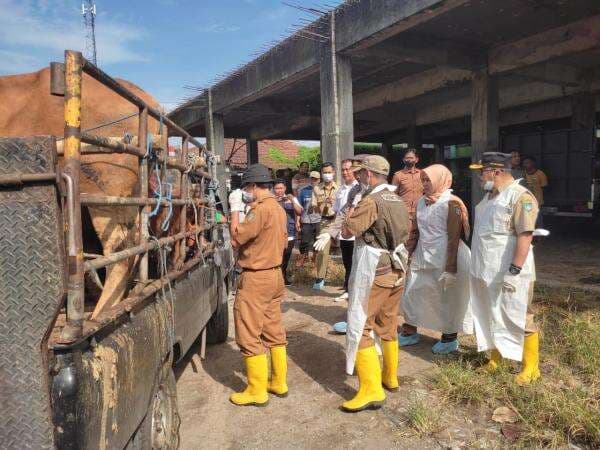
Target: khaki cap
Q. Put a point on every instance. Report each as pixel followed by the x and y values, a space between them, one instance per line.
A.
pixel 315 174
pixel 374 163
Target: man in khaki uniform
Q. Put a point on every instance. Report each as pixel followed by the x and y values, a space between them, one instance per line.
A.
pixel 260 240
pixel 502 268
pixel 380 224
pixel 323 198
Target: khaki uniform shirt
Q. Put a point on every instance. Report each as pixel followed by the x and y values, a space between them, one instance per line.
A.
pixel 524 214
pixel 535 183
pixel 263 234
pixel 363 217
pixel 410 187
pixel 321 194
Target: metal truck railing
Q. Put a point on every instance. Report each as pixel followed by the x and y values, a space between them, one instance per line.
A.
pixel 67 79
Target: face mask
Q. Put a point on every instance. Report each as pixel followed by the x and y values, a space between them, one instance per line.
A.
pixel 247 197
pixel 327 177
pixel 409 164
pixel 488 186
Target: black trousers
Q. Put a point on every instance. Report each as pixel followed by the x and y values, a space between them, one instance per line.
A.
pixel 347 247
pixel 287 253
pixel 308 234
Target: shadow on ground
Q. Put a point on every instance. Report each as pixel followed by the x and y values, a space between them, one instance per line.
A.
pixel 321 359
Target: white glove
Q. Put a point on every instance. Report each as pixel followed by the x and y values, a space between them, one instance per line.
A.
pixel 509 283
pixel 322 240
pixel 236 203
pixel 447 280
pixel 356 200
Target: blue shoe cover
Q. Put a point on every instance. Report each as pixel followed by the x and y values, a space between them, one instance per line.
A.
pixel 340 327
pixel 409 339
pixel 319 285
pixel 443 348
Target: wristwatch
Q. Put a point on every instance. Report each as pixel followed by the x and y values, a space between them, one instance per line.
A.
pixel 514 270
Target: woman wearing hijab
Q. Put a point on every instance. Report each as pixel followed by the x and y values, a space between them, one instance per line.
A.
pixel 437 289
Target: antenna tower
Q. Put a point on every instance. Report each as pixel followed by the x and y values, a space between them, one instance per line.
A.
pixel 88 11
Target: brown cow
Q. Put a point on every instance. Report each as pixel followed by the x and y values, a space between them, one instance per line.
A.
pixel 27 109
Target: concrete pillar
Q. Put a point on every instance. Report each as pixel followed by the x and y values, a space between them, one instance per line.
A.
pixel 484 123
pixel 584 110
pixel 215 142
pixel 413 137
pixel 252 151
pixel 337 128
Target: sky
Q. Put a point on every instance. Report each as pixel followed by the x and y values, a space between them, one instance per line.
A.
pixel 160 45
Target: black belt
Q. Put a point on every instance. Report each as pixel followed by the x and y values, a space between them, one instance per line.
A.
pixel 261 270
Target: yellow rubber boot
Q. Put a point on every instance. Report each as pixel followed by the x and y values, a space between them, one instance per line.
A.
pixel 278 384
pixel 255 394
pixel 531 359
pixel 389 375
pixel 492 365
pixel 370 394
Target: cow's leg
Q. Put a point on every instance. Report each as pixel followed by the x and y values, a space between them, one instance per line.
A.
pixel 115 229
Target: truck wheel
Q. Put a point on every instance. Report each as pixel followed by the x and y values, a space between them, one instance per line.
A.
pixel 160 428
pixel 217 327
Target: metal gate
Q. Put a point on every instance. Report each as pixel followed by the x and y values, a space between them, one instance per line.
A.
pixel 566 156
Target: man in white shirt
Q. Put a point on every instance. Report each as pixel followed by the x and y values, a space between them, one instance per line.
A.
pixel 346 244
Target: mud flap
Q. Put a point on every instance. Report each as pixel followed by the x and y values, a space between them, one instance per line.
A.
pixel 31 291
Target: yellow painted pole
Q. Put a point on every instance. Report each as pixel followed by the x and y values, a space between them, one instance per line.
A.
pixel 72 164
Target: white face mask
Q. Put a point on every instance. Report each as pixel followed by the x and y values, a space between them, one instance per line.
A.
pixel 327 177
pixel 247 197
pixel 488 186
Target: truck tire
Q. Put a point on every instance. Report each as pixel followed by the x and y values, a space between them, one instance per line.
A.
pixel 217 327
pixel 160 428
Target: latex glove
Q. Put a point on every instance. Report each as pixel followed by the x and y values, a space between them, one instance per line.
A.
pixel 447 280
pixel 322 241
pixel 509 283
pixel 236 203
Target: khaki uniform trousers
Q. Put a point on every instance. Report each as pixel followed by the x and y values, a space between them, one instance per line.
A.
pixel 382 312
pixel 323 255
pixel 257 311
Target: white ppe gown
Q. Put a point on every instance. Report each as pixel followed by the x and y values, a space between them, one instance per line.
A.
pixel 425 302
pixel 499 317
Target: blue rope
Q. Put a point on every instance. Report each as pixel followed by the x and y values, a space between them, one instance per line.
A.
pixel 148 145
pixel 169 198
pixel 158 194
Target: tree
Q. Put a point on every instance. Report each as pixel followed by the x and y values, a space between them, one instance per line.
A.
pixel 310 154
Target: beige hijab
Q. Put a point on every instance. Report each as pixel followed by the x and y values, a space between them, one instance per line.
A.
pixel 441 181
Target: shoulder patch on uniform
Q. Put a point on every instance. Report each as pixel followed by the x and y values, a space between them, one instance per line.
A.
pixel 527 205
pixel 390 197
pixel 457 211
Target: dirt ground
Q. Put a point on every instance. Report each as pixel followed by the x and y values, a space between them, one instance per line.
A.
pixel 310 417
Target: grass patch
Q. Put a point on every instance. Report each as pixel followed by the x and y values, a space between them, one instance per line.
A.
pixel 564 406
pixel 421 417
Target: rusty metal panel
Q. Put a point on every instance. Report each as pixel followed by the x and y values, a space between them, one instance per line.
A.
pixel 31 291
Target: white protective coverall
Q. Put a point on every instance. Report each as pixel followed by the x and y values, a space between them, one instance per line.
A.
pixel 425 302
pixel 499 317
pixel 364 265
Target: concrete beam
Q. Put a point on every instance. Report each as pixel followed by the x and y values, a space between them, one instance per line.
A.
pixel 574 37
pixel 410 87
pixel 429 52
pixel 485 130
pixel 365 23
pixel 337 124
pixel 558 74
pixel 282 128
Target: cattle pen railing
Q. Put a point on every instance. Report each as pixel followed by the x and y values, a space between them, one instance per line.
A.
pixel 66 79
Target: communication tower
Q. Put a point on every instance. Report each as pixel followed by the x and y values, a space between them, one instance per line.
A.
pixel 88 11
